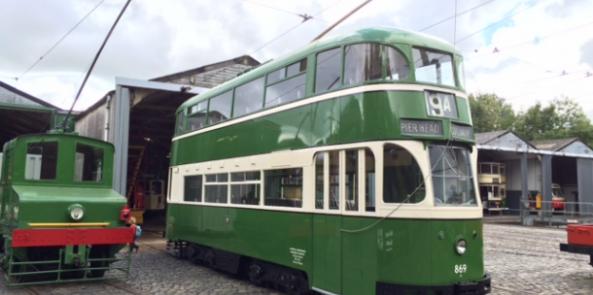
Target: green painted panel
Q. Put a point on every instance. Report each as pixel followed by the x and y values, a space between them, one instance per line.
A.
pixel 267 235
pixel 50 204
pixel 327 270
pixel 354 118
pixel 399 251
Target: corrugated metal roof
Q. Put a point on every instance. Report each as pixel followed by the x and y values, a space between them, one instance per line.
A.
pixel 486 137
pixel 553 144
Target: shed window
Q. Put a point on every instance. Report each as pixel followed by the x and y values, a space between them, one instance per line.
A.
pixel 249 97
pixel 42 161
pixel 220 108
pixel 327 73
pixel 88 163
pixel 284 187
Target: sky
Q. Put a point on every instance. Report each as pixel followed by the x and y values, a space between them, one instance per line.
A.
pixel 525 51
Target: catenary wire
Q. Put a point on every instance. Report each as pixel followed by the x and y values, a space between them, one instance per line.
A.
pixel 454 15
pixel 293 28
pixel 51 48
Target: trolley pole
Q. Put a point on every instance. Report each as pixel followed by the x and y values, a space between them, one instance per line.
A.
pixel 341 20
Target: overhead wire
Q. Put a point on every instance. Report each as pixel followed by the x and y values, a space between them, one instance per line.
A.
pixel 264 45
pixel 560 72
pixel 302 15
pixel 455 15
pixel 511 13
pixel 51 48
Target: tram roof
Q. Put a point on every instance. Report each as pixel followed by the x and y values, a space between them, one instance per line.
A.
pixel 379 34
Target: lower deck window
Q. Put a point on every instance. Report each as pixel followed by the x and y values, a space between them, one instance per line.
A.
pixel 284 187
pixel 192 188
pixel 216 188
pixel 402 178
pixel 245 187
pixel 452 176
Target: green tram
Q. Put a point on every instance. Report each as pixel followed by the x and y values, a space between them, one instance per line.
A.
pixel 60 219
pixel 347 167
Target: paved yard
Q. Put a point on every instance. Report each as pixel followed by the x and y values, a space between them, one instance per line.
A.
pixel 521 260
pixel 527 260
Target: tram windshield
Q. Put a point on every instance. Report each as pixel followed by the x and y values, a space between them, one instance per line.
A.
pixel 452 176
pixel 433 67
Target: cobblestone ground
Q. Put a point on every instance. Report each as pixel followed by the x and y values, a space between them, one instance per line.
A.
pixel 521 260
pixel 527 260
pixel 153 272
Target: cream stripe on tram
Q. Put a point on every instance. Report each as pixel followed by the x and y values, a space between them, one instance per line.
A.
pixel 304 159
pixel 327 96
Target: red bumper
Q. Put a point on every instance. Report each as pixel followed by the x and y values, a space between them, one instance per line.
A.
pixel 69 237
pixel 580 234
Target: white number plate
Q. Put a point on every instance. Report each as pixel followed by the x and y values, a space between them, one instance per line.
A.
pixel 460 268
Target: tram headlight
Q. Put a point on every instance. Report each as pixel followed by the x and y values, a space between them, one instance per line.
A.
pixel 461 247
pixel 76 212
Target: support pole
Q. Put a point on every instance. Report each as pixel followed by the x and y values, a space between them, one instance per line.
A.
pixel 119 135
pixel 524 204
pixel 547 186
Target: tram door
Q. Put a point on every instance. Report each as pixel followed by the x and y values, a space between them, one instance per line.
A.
pixel 327 222
pixel 340 179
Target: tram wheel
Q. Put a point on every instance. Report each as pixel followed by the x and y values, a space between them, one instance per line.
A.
pixel 296 284
pixel 209 258
pixel 255 273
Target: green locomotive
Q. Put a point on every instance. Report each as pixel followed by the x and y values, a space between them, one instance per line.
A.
pixel 347 167
pixel 60 218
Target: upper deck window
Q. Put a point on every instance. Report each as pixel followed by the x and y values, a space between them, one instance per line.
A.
pixel 461 74
pixel 397 67
pixel 452 176
pixel 433 67
pixel 293 88
pixel 197 115
pixel 249 97
pixel 362 62
pixel 42 161
pixel 180 128
pixel 220 108
pixel 88 164
pixel 327 73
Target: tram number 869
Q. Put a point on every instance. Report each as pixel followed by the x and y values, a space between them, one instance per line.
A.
pixel 460 268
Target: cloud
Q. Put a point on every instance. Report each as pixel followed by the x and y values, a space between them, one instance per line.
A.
pixel 536 40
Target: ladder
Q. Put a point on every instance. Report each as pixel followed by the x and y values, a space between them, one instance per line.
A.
pixel 136 172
